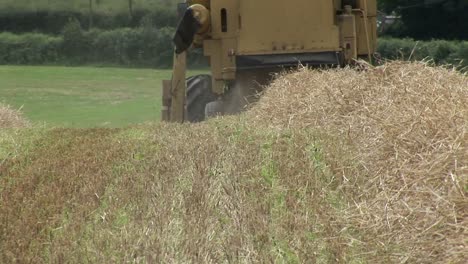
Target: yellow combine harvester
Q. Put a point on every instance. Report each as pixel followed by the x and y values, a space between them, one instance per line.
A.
pixel 247 40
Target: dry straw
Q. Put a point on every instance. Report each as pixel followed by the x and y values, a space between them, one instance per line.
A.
pixel 397 137
pixel 330 166
pixel 10 118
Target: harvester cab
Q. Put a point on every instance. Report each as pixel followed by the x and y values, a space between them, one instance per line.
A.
pixel 248 40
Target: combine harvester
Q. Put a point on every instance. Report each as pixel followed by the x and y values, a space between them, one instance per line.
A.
pixel 248 40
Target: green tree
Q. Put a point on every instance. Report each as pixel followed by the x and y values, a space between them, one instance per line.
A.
pixel 426 19
pixel 392 5
pixel 130 8
pixel 91 13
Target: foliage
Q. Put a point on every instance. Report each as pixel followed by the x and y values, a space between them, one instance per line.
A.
pixel 147 46
pixel 73 39
pixel 30 48
pixel 105 6
pixel 392 5
pixel 428 19
pixel 52 22
pixel 440 51
pixel 49 16
pixel 141 47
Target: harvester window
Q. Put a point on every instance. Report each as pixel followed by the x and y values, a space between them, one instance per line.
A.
pixel 223 20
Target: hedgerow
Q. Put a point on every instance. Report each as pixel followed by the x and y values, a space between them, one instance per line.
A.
pixel 52 22
pixel 439 51
pixel 148 46
pixel 144 46
pixel 30 48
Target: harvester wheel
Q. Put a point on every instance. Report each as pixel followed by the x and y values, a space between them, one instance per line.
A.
pixel 214 108
pixel 199 94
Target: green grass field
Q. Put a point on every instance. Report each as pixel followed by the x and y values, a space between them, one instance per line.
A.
pixel 83 96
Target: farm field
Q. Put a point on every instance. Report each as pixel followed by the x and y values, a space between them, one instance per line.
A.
pixel 336 166
pixel 83 96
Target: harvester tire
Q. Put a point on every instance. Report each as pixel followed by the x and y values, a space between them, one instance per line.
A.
pixel 199 94
pixel 215 108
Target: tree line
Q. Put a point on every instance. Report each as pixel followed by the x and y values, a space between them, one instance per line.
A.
pixel 52 22
pixel 428 19
pixel 419 19
pixel 132 36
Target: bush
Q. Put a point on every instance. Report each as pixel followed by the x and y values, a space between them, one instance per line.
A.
pixel 439 51
pixel 31 48
pixel 74 42
pixel 133 47
pixel 140 47
pixel 39 21
pixel 52 22
pixel 462 55
pixel 436 21
pixel 147 46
